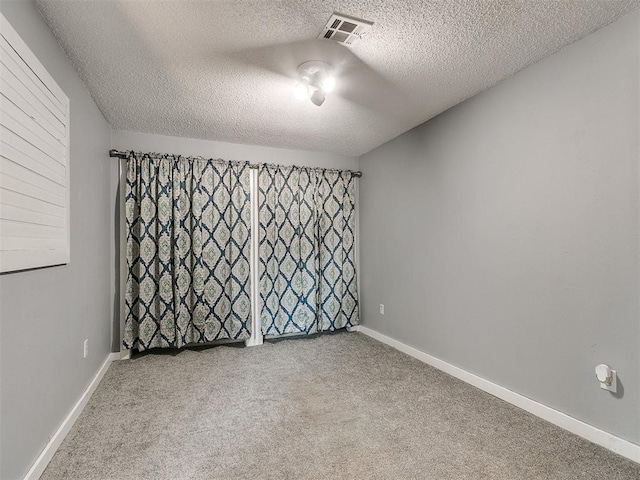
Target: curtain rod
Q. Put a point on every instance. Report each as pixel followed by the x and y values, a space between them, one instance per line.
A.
pixel 118 154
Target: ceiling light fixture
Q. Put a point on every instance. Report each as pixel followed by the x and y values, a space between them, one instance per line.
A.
pixel 316 79
pixel 302 91
pixel 328 84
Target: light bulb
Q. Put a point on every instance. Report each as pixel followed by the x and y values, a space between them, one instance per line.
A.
pixel 301 91
pixel 328 84
pixel 318 97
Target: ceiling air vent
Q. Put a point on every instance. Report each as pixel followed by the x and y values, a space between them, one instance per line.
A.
pixel 345 29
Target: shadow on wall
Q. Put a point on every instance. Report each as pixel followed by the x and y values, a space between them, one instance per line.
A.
pixel 115 325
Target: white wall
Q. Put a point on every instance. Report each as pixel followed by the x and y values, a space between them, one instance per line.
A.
pixel 46 314
pixel 147 142
pixel 502 235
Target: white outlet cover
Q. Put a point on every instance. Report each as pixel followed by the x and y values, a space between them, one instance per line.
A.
pixel 381 309
pixel 607 377
pixel 613 385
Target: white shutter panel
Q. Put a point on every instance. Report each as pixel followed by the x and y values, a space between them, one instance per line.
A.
pixel 34 160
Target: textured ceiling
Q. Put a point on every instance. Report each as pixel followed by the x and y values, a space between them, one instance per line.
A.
pixel 225 70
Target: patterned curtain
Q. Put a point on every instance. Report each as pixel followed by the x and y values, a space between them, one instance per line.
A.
pixel 306 250
pixel 188 248
pixel 337 287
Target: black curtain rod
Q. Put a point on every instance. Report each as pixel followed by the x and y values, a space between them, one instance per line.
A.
pixel 118 154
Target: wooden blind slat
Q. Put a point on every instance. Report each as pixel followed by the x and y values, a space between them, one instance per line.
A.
pixel 24 99
pixel 31 124
pixel 12 61
pixel 9 197
pixel 12 228
pixel 20 186
pixel 7 167
pixel 12 140
pixel 24 243
pixel 19 214
pixel 13 125
pixel 10 153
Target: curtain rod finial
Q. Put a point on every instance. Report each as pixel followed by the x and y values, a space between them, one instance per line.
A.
pixel 117 154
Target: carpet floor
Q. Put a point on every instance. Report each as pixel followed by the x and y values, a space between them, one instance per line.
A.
pixel 340 406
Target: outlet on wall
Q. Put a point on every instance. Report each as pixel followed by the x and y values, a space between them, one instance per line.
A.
pixel 382 309
pixel 86 348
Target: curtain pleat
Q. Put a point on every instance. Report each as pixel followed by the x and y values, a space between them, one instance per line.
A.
pixel 337 286
pixel 188 248
pixel 306 250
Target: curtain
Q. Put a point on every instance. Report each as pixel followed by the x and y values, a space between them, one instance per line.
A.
pixel 306 250
pixel 337 287
pixel 188 249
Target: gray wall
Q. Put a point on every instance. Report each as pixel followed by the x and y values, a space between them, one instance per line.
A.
pixel 502 235
pixel 46 314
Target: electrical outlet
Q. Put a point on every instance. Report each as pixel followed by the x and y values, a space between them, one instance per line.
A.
pixel 608 378
pixel 382 309
pixel 86 348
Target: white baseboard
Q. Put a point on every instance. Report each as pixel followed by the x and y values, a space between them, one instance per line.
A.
pixel 607 440
pixel 593 434
pixel 56 440
pixel 122 355
pixel 254 341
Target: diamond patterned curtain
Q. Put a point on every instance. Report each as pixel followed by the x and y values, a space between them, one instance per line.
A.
pixel 306 250
pixel 188 249
pixel 337 287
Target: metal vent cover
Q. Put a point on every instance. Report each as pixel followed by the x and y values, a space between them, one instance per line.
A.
pixel 345 29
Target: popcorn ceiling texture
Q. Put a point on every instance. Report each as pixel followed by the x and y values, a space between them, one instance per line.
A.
pixel 225 70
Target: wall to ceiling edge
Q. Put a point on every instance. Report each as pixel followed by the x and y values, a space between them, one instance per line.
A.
pixel 503 235
pixel 147 142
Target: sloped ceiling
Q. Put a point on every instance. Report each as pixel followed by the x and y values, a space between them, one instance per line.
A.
pixel 225 70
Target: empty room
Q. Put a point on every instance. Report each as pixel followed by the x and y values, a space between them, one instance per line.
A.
pixel 310 239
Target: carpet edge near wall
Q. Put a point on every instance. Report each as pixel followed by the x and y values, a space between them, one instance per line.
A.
pixel 43 459
pixel 600 437
pixel 595 435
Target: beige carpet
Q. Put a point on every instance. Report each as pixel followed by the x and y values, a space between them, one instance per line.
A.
pixel 337 406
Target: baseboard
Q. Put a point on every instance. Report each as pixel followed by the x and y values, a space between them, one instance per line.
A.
pixel 254 341
pixel 56 440
pixel 607 440
pixel 122 355
pixel 591 433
